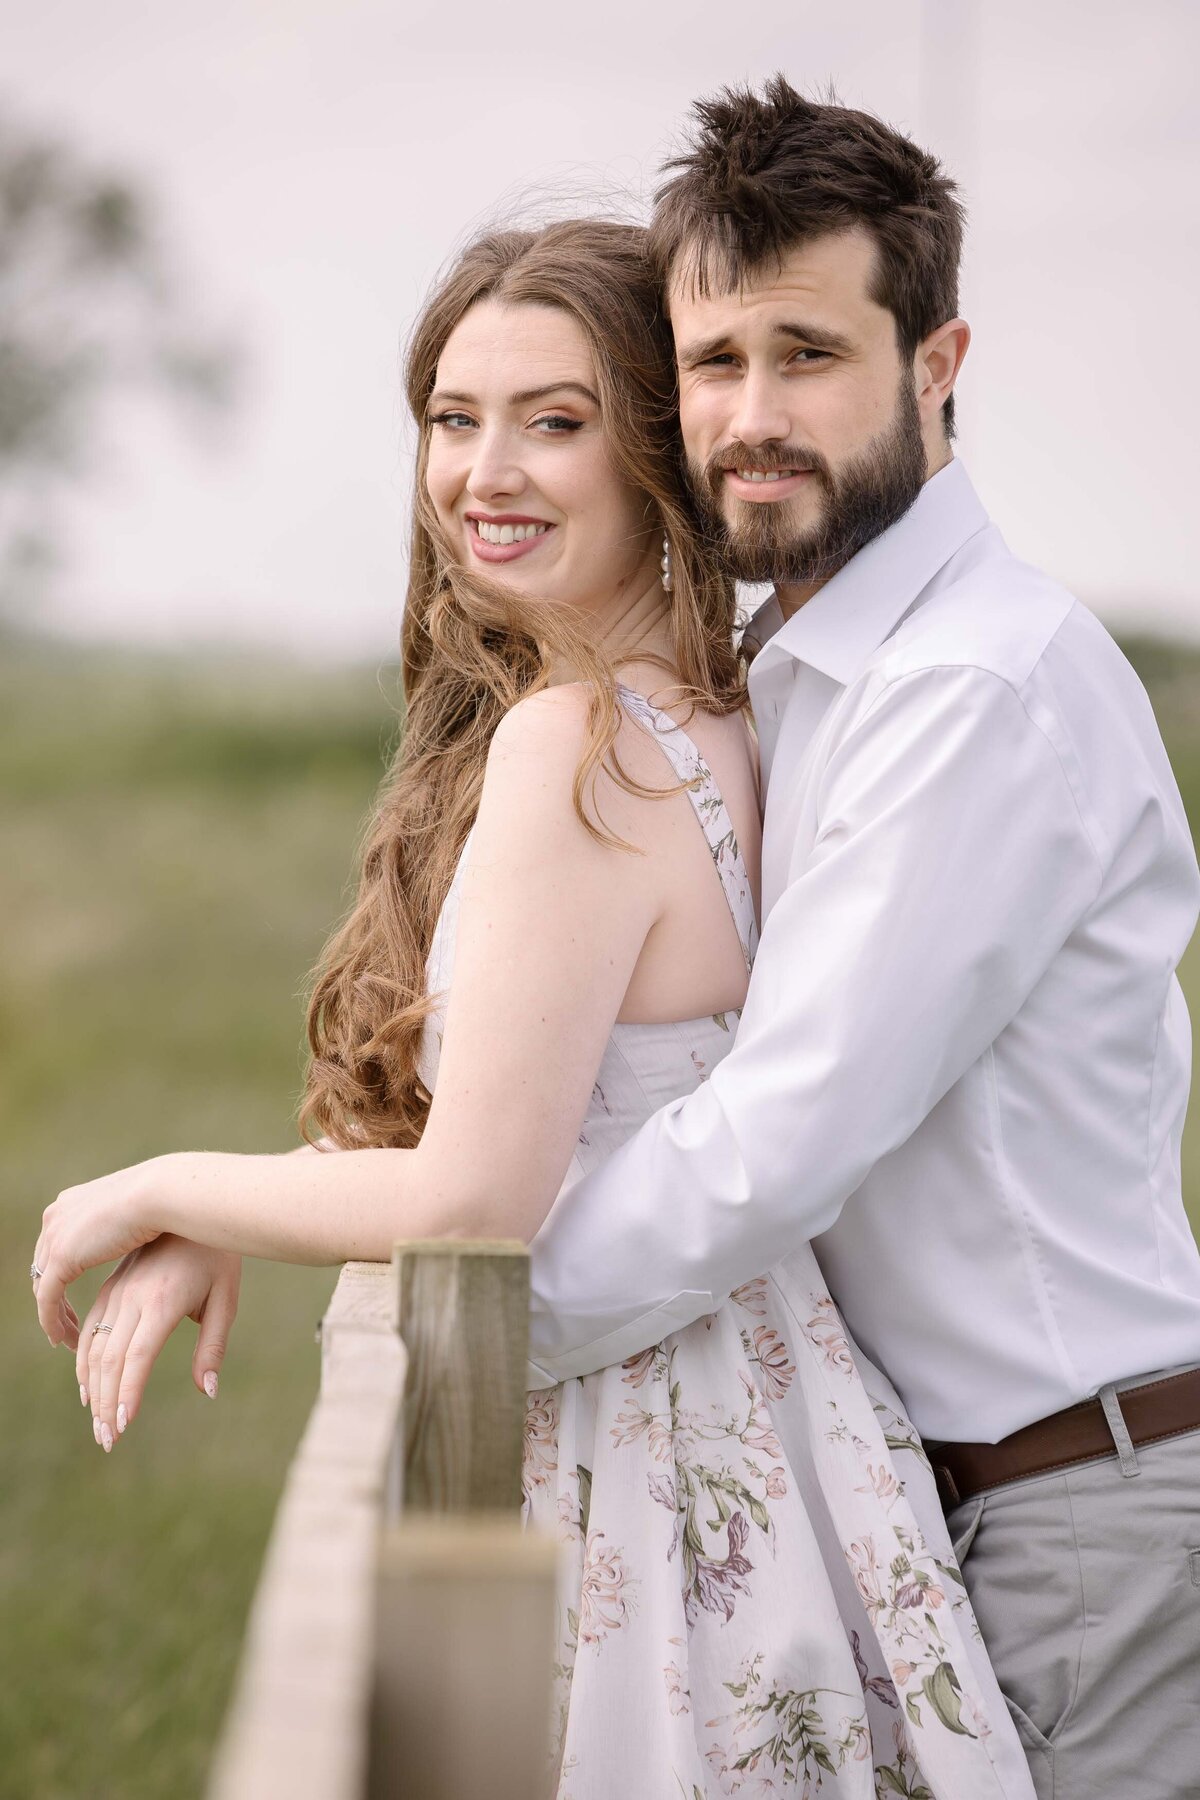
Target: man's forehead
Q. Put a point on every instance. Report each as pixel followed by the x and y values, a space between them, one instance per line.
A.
pixel 833 270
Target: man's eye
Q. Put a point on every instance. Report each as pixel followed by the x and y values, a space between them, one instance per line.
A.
pixel 454 421
pixel 554 423
pixel 812 355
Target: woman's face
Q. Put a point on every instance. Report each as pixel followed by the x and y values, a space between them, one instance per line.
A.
pixel 519 470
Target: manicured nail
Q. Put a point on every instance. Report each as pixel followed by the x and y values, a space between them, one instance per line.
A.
pixel 210 1384
pixel 83 1395
pixel 95 1428
pixel 122 1417
pixel 106 1437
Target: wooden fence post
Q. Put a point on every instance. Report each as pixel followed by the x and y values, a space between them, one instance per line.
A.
pixel 464 1618
pixel 464 1642
pixel 463 1315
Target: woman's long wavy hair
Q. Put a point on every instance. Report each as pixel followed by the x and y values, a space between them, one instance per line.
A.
pixel 472 649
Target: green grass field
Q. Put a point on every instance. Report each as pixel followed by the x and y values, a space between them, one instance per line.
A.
pixel 176 841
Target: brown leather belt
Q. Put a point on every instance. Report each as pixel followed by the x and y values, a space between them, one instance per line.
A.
pixel 1080 1434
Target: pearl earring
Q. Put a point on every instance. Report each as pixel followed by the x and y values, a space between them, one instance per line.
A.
pixel 668 579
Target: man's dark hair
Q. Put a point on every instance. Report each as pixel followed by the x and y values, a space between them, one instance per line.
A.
pixel 766 173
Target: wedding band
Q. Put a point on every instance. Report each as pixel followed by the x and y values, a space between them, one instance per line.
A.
pixel 35 1274
pixel 96 1328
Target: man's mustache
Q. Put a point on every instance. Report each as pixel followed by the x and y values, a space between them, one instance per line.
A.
pixel 766 458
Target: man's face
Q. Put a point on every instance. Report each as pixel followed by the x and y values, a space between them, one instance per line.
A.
pixel 799 414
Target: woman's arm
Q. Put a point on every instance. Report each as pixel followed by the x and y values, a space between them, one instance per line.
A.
pixel 550 929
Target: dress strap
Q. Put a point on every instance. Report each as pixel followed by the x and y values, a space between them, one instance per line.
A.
pixel 710 809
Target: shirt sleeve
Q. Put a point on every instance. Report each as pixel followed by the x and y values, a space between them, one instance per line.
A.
pixel 950 865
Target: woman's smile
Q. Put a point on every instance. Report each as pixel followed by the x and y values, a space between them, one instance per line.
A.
pixel 499 537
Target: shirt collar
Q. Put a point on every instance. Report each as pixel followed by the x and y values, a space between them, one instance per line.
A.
pixel 837 630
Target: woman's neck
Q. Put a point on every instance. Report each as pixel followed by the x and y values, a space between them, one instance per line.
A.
pixel 636 637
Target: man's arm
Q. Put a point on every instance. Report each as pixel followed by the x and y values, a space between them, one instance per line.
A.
pixel 951 865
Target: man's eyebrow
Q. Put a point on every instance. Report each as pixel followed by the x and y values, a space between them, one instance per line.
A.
pixel 820 337
pixel 702 349
pixel 526 397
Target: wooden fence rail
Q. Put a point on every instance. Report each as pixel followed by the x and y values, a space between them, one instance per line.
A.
pixel 399 1643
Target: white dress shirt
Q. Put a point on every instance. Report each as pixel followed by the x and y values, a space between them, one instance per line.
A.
pixel 963 1064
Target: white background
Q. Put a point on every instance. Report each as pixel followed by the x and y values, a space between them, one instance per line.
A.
pixel 317 162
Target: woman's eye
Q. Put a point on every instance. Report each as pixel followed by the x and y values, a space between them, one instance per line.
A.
pixel 554 423
pixel 454 421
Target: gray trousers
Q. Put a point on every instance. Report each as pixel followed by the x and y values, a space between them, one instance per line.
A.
pixel 1086 1585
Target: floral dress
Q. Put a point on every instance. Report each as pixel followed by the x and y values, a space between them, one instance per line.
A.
pixel 757 1595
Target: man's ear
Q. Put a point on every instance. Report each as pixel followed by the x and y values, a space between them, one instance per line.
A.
pixel 936 364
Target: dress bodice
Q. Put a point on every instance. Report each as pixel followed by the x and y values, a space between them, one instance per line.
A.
pixel 644 1066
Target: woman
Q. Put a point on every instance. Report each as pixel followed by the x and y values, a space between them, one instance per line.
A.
pixel 552 937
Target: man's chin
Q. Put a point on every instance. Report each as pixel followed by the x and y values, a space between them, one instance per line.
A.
pixel 791 516
pixel 768 548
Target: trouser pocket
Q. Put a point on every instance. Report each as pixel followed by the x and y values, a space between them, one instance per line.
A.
pixel 1020 1562
pixel 962 1523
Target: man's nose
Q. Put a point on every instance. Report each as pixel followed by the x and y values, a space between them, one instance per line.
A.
pixel 761 415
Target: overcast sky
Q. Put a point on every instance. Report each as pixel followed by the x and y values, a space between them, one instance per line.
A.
pixel 317 162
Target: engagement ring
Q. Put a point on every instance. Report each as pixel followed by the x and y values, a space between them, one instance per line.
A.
pixel 35 1274
pixel 96 1328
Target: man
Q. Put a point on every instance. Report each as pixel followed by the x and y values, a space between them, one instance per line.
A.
pixel 963 1064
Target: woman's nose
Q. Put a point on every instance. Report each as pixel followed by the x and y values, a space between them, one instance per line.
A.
pixel 494 470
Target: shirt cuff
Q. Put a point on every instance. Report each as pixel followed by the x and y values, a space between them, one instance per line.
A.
pixel 626 1341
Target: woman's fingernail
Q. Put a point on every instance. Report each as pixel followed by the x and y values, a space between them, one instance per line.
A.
pixel 122 1417
pixel 210 1384
pixel 95 1428
pixel 83 1395
pixel 106 1437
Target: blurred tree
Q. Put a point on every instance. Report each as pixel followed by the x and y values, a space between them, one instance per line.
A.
pixel 87 312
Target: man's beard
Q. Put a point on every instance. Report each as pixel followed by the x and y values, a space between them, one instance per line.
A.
pixel 867 494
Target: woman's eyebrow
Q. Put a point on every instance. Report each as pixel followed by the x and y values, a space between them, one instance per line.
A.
pixel 528 395
pixel 443 396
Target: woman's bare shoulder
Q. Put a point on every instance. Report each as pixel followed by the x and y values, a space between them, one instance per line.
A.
pixel 553 720
pixel 529 837
pixel 539 746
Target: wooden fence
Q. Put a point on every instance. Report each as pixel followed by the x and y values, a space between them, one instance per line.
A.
pixel 400 1641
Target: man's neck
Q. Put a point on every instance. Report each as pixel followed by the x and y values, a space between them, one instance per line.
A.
pixel 791 597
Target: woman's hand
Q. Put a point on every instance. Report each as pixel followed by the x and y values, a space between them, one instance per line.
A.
pixel 95 1222
pixel 152 1291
